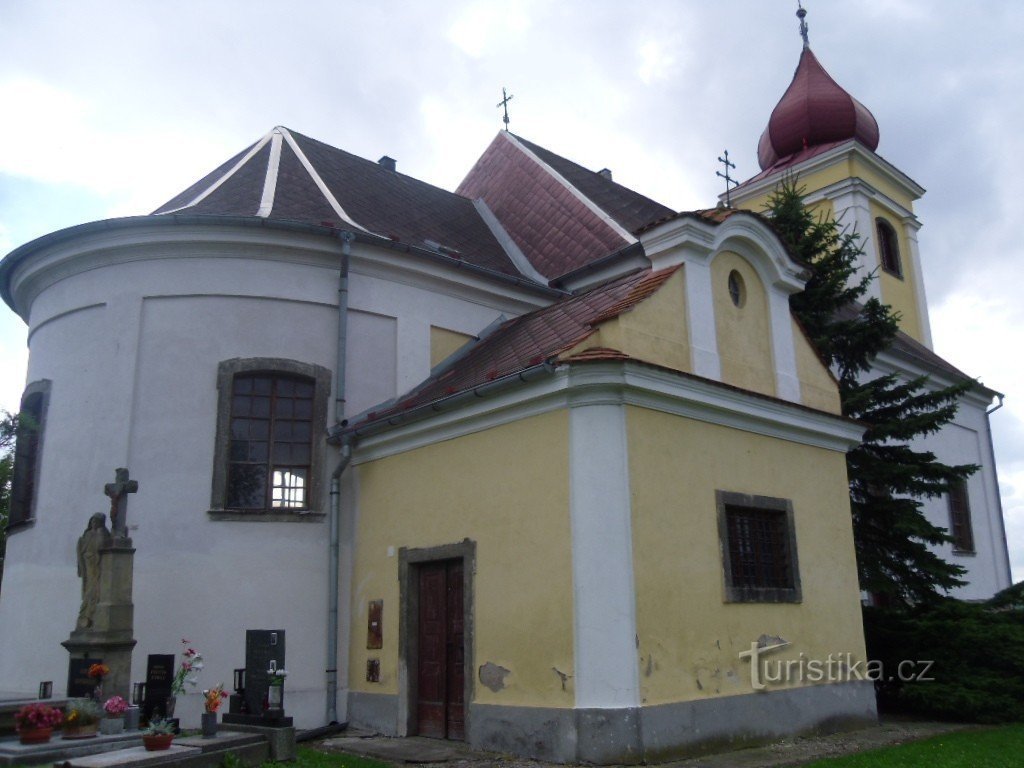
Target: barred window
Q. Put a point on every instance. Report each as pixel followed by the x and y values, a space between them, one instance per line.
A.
pixel 960 527
pixel 758 548
pixel 270 432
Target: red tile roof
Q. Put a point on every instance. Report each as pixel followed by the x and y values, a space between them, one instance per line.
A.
pixel 560 214
pixel 530 340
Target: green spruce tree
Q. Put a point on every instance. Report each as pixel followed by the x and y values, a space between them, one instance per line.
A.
pixel 888 478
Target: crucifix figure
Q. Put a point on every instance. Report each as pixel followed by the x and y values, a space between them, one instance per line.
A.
pixel 118 492
pixel 728 181
pixel 505 99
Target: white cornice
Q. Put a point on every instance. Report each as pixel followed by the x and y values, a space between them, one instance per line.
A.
pixel 824 160
pixel 127 241
pixel 619 383
pixel 892 361
pixel 859 186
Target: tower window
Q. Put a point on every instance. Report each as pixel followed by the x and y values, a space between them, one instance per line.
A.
pixel 888 247
pixel 960 518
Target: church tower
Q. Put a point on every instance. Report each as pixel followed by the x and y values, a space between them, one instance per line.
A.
pixel 824 137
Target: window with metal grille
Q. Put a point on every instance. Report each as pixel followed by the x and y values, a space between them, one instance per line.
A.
pixel 960 518
pixel 270 441
pixel 888 247
pixel 269 450
pixel 758 548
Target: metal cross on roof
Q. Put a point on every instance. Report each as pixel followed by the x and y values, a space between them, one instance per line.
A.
pixel 800 14
pixel 118 492
pixel 728 180
pixel 505 99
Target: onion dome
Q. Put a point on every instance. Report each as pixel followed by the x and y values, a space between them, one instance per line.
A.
pixel 814 110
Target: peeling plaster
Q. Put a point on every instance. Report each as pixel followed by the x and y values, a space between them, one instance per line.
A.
pixel 561 676
pixel 493 676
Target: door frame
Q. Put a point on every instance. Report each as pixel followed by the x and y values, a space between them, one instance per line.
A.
pixel 410 560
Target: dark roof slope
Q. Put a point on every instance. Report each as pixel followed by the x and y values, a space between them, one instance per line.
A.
pixel 373 197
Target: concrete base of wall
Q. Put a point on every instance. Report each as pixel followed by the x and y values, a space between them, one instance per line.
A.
pixel 647 734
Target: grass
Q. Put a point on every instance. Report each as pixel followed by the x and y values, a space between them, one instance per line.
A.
pixel 989 748
pixel 311 758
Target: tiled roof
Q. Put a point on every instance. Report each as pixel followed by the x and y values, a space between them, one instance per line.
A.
pixel 530 340
pixel 369 195
pixel 630 209
pixel 561 215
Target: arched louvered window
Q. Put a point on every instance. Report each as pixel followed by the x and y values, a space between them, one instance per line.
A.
pixel 888 247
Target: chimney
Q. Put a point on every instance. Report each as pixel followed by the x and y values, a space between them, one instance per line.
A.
pixel 605 173
pixel 387 162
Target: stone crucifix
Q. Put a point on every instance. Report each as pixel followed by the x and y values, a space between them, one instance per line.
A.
pixel 118 492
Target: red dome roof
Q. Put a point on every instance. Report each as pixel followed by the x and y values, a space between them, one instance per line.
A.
pixel 814 110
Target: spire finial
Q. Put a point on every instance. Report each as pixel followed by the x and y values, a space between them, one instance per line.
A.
pixel 505 99
pixel 800 14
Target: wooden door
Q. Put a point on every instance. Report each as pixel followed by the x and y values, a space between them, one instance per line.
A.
pixel 440 677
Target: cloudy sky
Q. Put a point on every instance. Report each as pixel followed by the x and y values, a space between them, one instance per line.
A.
pixel 110 108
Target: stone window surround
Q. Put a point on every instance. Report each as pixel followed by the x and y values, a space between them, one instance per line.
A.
pixel 888 247
pixel 734 594
pixel 226 372
pixel 19 519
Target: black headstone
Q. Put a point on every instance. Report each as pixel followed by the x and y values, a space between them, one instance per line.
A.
pixel 261 647
pixel 80 685
pixel 159 675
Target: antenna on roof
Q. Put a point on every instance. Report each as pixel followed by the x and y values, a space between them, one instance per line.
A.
pixel 505 99
pixel 725 161
pixel 800 14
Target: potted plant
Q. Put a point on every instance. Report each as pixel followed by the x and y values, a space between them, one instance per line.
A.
pixel 114 707
pixel 158 735
pixel 35 722
pixel 81 719
pixel 214 697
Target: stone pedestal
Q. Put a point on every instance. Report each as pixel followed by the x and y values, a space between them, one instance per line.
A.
pixel 110 636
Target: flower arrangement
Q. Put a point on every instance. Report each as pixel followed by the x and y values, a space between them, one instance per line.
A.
pixel 82 712
pixel 98 672
pixel 277 676
pixel 214 698
pixel 33 716
pixel 115 706
pixel 191 663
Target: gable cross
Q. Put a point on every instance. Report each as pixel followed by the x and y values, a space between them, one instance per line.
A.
pixel 505 99
pixel 118 492
pixel 728 180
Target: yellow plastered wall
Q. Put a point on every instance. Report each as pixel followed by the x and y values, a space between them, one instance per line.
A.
pixel 506 489
pixel 818 389
pixel 897 291
pixel 444 343
pixel 744 332
pixel 689 637
pixel 654 331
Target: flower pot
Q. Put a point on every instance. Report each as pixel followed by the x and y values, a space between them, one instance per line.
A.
pixel 80 731
pixel 209 722
pixel 35 735
pixel 111 725
pixel 157 742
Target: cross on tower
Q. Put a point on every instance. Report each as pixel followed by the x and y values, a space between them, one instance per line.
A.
pixel 728 180
pixel 118 492
pixel 505 99
pixel 800 14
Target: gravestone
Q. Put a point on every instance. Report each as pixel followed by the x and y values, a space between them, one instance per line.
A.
pixel 262 646
pixel 80 685
pixel 159 674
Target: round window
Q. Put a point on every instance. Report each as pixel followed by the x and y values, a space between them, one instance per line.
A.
pixel 736 289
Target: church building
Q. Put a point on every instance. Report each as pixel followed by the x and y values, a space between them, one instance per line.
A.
pixel 540 464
